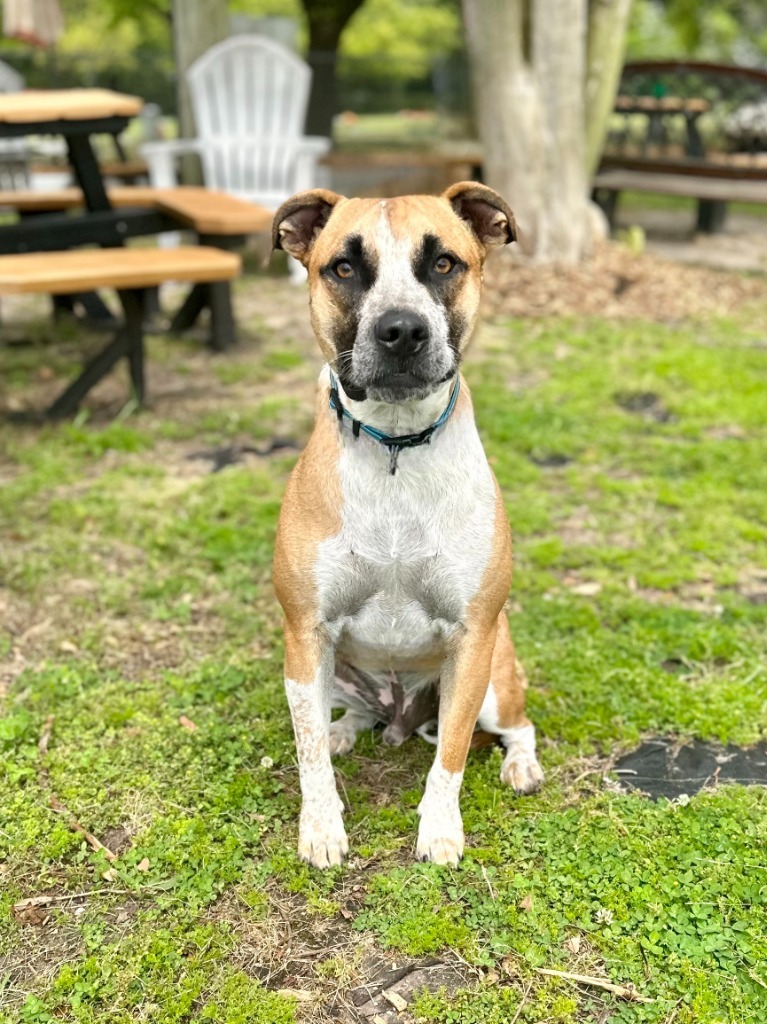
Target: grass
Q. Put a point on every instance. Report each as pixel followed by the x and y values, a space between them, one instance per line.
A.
pixel 141 633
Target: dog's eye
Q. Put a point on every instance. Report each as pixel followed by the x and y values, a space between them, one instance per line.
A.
pixel 444 265
pixel 343 269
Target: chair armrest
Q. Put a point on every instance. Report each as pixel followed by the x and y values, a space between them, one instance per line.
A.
pixel 161 159
pixel 317 145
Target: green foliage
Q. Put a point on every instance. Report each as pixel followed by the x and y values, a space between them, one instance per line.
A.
pixel 718 30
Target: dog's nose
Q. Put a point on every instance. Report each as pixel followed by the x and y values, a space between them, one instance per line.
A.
pixel 402 332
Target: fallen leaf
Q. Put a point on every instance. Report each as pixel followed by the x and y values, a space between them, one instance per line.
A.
pixel 143 865
pixel 187 723
pixel 527 903
pixel 110 875
pixel 68 647
pixel 33 901
pixel 589 589
pixel 573 944
pixel 395 999
pixel 301 995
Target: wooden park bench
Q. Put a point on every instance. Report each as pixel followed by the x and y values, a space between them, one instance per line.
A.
pixel 681 128
pixel 131 272
pixel 217 219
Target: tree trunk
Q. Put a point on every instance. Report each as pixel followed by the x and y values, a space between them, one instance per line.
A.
pixel 323 60
pixel 528 62
pixel 608 23
pixel 197 25
pixel 327 19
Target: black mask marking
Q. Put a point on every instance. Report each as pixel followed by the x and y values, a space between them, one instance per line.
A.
pixel 349 293
pixel 442 287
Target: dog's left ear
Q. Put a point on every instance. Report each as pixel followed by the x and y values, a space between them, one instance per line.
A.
pixel 300 219
pixel 487 214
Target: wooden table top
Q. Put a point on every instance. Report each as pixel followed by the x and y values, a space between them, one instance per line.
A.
pixel 661 105
pixel 31 106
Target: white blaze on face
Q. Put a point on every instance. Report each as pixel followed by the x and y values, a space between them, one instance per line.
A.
pixel 396 287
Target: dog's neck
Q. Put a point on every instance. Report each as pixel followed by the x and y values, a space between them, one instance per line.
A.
pixel 397 418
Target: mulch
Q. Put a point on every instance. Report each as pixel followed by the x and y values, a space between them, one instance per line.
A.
pixel 617 282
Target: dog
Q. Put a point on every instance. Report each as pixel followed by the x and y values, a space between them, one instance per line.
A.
pixel 393 553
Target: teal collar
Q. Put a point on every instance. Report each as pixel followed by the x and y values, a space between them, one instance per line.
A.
pixel 393 444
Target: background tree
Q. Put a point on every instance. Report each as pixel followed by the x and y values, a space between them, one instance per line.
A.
pixel 326 21
pixel 542 71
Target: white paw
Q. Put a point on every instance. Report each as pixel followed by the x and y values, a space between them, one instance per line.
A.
pixel 440 841
pixel 342 737
pixel 322 840
pixel 521 771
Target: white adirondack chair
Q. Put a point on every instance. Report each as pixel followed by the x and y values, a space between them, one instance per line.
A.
pixel 249 97
pixel 14 172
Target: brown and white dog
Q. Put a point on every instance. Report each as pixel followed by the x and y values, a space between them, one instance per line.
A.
pixel 393 555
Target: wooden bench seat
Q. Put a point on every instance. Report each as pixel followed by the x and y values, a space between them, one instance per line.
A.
pixel 130 272
pixel 690 186
pixel 199 209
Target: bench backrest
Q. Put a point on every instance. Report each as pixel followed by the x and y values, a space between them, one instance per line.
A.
pixel 734 119
pixel 249 97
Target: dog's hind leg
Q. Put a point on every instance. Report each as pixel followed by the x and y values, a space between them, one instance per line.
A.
pixel 503 715
pixel 344 731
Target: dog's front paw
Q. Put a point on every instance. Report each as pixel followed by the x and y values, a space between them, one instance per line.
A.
pixel 521 771
pixel 322 839
pixel 440 840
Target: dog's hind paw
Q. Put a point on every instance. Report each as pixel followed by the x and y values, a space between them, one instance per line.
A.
pixel 342 737
pixel 521 771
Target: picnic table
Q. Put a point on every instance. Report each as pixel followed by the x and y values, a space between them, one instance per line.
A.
pixel 657 108
pixel 707 163
pixel 108 218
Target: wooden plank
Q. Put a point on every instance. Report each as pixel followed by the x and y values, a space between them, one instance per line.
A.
pixel 208 212
pixel 61 273
pixel 31 105
pixel 726 166
pixel 681 185
pixel 205 211
pixel 660 105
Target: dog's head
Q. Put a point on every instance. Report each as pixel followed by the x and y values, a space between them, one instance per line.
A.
pixel 394 283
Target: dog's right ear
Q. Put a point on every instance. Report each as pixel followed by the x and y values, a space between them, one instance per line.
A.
pixel 300 219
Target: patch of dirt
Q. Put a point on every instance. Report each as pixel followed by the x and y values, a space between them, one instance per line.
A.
pixel 335 973
pixel 618 283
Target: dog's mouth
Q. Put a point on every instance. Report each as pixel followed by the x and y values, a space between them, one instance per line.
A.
pixel 399 384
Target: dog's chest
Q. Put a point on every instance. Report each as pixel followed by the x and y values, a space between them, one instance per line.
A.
pixel 395 583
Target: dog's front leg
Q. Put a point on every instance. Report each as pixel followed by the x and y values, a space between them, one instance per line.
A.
pixel 309 676
pixel 463 685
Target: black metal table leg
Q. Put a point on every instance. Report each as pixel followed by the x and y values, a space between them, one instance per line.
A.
pixel 88 172
pixel 69 400
pixel 712 214
pixel 222 331
pixel 128 342
pixel 133 304
pixel 190 309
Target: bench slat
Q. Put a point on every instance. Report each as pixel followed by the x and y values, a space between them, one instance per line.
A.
pixel 61 273
pixel 687 186
pixel 202 209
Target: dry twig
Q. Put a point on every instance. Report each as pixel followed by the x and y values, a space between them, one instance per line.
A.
pixel 56 804
pixel 627 992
